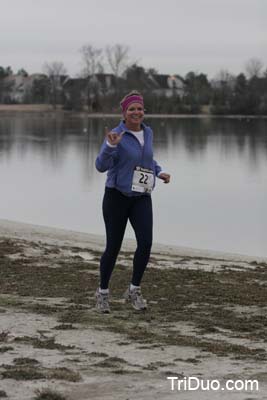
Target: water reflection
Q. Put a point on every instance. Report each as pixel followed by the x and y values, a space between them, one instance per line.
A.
pixel 47 163
pixel 226 134
pixel 52 137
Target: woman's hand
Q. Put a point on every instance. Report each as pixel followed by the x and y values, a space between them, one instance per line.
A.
pixel 165 177
pixel 113 137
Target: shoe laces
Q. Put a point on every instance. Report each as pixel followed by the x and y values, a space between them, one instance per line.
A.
pixel 104 297
pixel 136 294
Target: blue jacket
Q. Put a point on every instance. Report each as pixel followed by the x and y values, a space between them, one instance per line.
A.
pixel 120 161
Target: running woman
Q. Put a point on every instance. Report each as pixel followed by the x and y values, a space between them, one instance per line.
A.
pixel 127 156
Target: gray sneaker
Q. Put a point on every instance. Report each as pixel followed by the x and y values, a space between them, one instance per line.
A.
pixel 102 304
pixel 136 298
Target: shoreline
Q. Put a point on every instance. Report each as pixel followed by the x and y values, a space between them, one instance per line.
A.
pixel 47 108
pixel 60 236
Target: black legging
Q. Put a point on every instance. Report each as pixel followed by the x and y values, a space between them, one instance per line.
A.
pixel 117 209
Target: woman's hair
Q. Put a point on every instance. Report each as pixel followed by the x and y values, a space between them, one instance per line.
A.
pixel 133 97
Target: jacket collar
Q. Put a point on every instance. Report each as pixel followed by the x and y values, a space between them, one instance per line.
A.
pixel 122 127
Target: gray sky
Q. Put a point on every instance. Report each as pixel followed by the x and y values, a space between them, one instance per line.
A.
pixel 173 36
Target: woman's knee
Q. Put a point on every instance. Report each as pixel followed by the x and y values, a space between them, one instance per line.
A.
pixel 112 250
pixel 144 244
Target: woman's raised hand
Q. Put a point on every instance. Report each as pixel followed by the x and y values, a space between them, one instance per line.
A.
pixel 165 177
pixel 113 137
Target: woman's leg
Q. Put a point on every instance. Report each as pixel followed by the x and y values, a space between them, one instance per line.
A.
pixel 115 212
pixel 141 218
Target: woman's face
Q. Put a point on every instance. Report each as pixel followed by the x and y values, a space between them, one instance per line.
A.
pixel 134 114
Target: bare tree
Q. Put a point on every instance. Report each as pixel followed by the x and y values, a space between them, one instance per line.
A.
pixel 55 70
pixel 224 76
pixel 92 60
pixel 117 57
pixel 254 67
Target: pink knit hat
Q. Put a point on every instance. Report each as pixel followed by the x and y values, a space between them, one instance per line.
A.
pixel 131 99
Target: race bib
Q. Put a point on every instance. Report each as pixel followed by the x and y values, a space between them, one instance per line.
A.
pixel 143 180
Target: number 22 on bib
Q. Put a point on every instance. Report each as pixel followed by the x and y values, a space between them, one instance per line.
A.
pixel 143 180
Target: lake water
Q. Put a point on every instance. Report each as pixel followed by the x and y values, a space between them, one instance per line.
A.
pixel 217 198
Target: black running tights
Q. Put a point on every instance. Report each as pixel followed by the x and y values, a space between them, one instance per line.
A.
pixel 117 209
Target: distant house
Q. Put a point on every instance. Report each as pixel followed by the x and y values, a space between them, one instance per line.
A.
pixel 18 88
pixel 82 91
pixel 102 84
pixel 58 81
pixel 106 84
pixel 87 91
pixel 167 85
pixel 13 89
pixel 75 89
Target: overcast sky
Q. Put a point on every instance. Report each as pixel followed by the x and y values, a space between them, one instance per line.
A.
pixel 173 36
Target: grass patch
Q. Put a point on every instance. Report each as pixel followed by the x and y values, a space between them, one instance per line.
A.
pixel 28 372
pixel 48 394
pixel 43 343
pixel 70 317
pixel 9 301
pixel 64 374
pixel 121 371
pixel 4 349
pixel 64 327
pixel 44 309
pixel 188 360
pixel 25 361
pixel 22 373
pixel 98 354
pixel 9 246
pixel 4 336
pixel 110 362
pixel 205 299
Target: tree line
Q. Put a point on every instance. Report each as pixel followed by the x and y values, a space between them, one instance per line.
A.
pixel 244 93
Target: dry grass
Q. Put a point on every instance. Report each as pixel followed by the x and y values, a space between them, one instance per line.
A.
pixel 206 300
pixel 48 394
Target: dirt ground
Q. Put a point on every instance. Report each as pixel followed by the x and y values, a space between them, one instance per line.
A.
pixel 206 318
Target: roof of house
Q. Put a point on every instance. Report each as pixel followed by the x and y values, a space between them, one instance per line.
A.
pixel 78 82
pixel 160 80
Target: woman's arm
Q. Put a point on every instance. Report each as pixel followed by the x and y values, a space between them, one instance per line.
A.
pixel 108 152
pixel 157 168
pixel 106 157
pixel 160 174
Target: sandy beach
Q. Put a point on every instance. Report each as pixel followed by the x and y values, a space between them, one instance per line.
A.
pixel 206 319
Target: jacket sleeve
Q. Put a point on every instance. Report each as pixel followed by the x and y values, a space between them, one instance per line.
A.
pixel 157 168
pixel 106 157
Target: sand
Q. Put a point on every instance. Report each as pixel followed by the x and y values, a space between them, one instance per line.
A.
pixel 206 319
